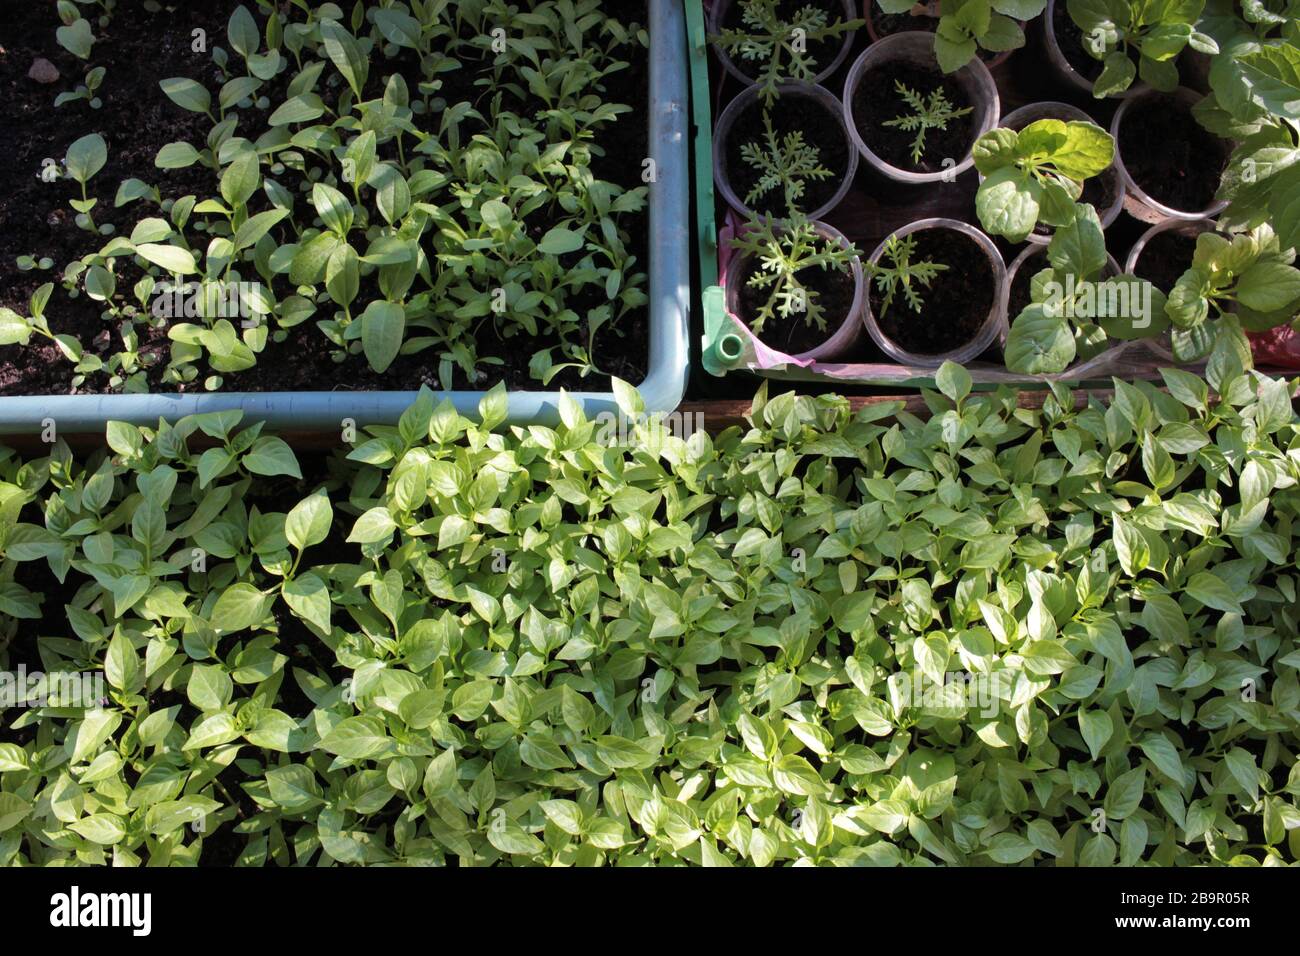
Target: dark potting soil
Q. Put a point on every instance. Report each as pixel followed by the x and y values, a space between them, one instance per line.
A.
pixel 1020 294
pixel 138 49
pixel 954 306
pixel 1071 40
pixel 1166 257
pixel 887 24
pixel 834 292
pixel 876 101
pixel 1172 157
pixel 820 52
pixel 820 128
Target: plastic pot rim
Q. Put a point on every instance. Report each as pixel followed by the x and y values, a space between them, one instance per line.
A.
pixel 719 10
pixel 1189 97
pixel 836 343
pixel 988 332
pixel 749 97
pixel 901 46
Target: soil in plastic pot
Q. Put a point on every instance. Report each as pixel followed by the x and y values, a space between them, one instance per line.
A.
pixel 1070 38
pixel 877 101
pixel 955 305
pixel 1021 292
pixel 1166 257
pixel 820 52
pixel 819 128
pixel 1173 158
pixel 833 292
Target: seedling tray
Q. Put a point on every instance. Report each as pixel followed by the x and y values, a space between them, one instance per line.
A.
pixel 306 411
pixel 872 210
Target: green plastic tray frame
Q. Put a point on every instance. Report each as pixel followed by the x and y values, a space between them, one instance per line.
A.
pixel 721 346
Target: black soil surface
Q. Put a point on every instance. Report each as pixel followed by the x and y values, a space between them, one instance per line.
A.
pixel 877 101
pixel 1166 257
pixel 956 303
pixel 1173 158
pixel 1021 285
pixel 821 52
pixel 820 128
pixel 833 291
pixel 138 49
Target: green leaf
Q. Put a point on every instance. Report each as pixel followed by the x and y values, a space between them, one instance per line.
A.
pixel 241 178
pixel 240 607
pixel 1038 343
pixel 342 49
pixel 272 456
pixel 1269 286
pixel 383 326
pixel 1124 794
pixel 953 380
pixel 76 37
pixel 1096 727
pixel 86 157
pixel 1212 591
pixel 243 33
pixel 559 241
pixel 308 522
pixel 357 738
pixel 187 94
pixel 309 598
pixel 172 258
pixel 121 664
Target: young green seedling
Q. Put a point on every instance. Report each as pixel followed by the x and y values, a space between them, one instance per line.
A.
pixel 1115 30
pixel 902 272
pixel 781 250
pixel 1248 275
pixel 937 113
pixel 84 159
pixel 777 48
pixel 785 163
pixel 1036 174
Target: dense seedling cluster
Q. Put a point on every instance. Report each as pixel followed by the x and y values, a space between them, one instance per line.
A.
pixel 402 175
pixel 996 636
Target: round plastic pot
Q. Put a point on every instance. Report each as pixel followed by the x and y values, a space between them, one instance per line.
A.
pixel 1137 201
pixel 1161 346
pixel 870 6
pixel 842 339
pixel 718 14
pixel 1022 262
pixel 993 322
pixel 1019 119
pixel 917 47
pixel 1062 66
pixel 820 97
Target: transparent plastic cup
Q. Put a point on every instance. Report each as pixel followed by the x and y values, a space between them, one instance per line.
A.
pixel 719 12
pixel 917 47
pixel 1192 228
pixel 1138 202
pixel 1062 66
pixel 815 97
pixel 988 331
pixel 845 336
